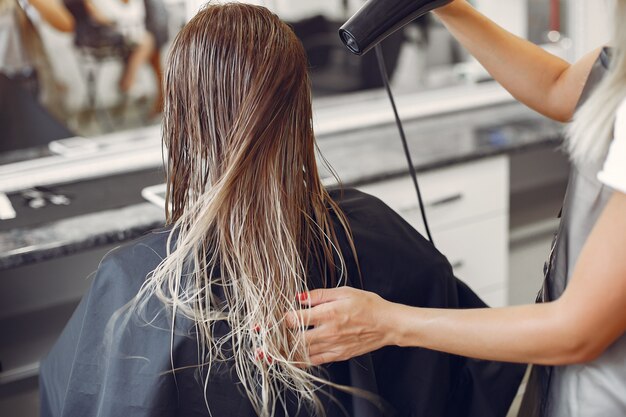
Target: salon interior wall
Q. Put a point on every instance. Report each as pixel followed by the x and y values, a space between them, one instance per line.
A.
pixel 590 23
pixel 510 14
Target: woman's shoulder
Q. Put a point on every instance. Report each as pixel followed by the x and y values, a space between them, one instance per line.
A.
pixel 362 208
pixel 379 230
pixel 130 263
pixel 365 210
pixel 353 201
pixel 395 260
pixel 154 241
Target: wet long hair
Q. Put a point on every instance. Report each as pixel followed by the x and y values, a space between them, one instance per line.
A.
pixel 592 129
pixel 248 211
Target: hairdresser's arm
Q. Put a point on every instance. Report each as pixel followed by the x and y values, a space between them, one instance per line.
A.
pixel 55 14
pixel 533 76
pixel 576 328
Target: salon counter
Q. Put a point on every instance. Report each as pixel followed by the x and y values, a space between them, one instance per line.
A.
pixel 358 155
pixel 473 163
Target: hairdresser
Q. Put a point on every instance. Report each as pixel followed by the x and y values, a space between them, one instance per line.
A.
pixel 576 335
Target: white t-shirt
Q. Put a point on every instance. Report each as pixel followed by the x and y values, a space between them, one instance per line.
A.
pixel 613 173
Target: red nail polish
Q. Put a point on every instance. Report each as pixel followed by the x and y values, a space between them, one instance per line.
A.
pixel 303 296
pixel 259 355
pixel 256 328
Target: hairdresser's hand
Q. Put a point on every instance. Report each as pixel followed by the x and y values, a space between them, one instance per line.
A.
pixel 346 323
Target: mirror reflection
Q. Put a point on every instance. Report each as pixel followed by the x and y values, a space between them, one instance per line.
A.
pixel 87 68
pixel 81 67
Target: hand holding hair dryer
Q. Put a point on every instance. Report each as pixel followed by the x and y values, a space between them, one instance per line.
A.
pixel 378 19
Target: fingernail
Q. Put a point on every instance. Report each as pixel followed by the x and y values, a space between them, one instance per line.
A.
pixel 259 355
pixel 303 296
pixel 256 328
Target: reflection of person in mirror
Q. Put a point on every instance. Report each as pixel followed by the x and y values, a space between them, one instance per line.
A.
pixel 22 55
pixel 128 17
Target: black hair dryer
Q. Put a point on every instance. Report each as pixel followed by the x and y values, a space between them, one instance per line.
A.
pixel 378 19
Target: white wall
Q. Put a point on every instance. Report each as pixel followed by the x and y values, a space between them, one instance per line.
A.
pixel 510 14
pixel 589 24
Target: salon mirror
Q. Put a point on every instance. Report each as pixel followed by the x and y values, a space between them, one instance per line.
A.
pixel 98 84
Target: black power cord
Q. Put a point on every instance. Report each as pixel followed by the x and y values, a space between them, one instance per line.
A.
pixel 385 77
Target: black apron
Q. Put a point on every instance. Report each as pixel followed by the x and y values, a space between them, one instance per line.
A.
pixel 82 378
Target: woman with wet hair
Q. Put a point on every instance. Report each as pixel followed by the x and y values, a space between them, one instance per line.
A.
pixel 190 320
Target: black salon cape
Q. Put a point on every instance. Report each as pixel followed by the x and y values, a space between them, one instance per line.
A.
pixel 81 377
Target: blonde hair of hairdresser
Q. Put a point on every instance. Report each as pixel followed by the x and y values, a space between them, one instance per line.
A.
pixel 592 129
pixel 249 213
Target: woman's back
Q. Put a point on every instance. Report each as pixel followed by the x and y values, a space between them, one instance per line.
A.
pixel 81 376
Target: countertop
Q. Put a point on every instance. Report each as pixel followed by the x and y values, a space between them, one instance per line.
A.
pixel 359 156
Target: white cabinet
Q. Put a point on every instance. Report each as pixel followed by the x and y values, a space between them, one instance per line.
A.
pixel 467 206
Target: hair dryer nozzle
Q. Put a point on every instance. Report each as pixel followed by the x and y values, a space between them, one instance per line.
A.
pixel 349 41
pixel 378 19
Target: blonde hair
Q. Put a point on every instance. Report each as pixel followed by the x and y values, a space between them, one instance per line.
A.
pixel 250 218
pixel 591 132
